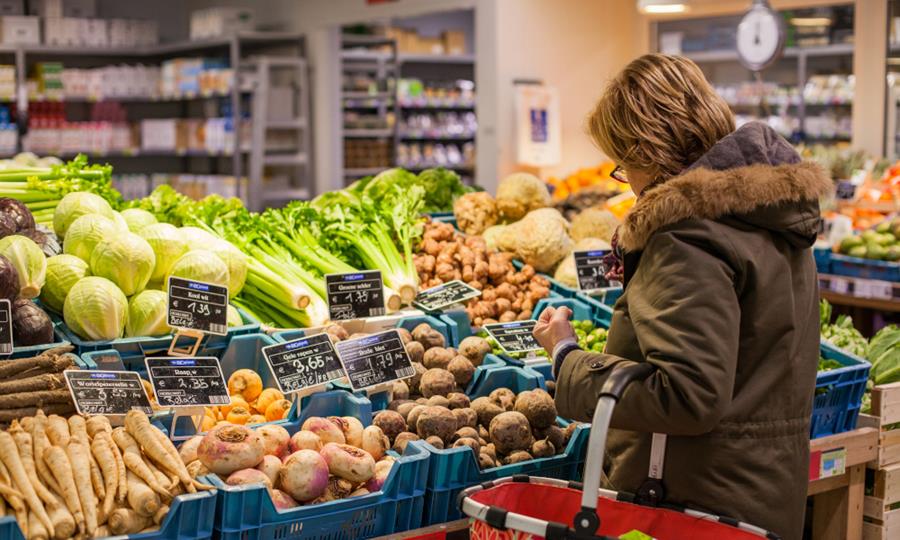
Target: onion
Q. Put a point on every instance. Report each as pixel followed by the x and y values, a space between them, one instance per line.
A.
pixel 375 442
pixel 248 476
pixel 382 469
pixel 304 475
pixel 282 500
pixel 230 447
pixel 188 450
pixel 270 465
pixel 275 440
pixel 327 430
pixel 348 462
pixel 305 440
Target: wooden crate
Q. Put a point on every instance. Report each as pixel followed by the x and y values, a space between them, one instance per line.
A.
pixel 880 521
pixel 885 411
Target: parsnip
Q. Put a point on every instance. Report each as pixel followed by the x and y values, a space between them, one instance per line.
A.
pixel 58 462
pixel 141 498
pixel 161 514
pixel 159 449
pixel 63 522
pixel 79 457
pixel 15 501
pixel 127 521
pixel 104 456
pixel 10 456
pixel 96 424
pixel 36 529
pixel 58 430
pixel 26 454
pixel 131 455
pixel 41 443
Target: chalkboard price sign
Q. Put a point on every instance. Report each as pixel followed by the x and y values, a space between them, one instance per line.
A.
pixel 514 337
pixel 591 269
pixel 188 382
pixel 355 295
pixel 6 338
pixel 110 393
pixel 445 294
pixel 198 306
pixel 375 359
pixel 303 363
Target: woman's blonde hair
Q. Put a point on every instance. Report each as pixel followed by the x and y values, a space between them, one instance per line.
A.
pixel 659 115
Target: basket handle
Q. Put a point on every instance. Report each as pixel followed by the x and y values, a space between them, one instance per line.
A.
pixel 622 374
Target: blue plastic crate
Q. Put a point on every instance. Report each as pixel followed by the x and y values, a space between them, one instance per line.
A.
pixel 839 393
pixel 133 350
pixel 601 309
pixel 454 469
pixel 247 512
pixel 190 517
pixel 842 265
pixel 823 259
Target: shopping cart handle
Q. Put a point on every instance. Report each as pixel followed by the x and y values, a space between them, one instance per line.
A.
pixel 624 374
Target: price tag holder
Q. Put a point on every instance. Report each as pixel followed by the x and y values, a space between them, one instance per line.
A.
pixel 303 364
pixel 6 336
pixel 195 305
pixel 591 269
pixel 187 385
pixel 110 393
pixel 355 295
pixel 446 294
pixel 514 337
pixel 375 360
pixel 846 190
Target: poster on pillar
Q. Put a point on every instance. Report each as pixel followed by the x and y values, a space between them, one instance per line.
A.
pixel 538 135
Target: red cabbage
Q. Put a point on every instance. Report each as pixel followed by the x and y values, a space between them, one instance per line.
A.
pixel 31 324
pixel 9 280
pixel 18 211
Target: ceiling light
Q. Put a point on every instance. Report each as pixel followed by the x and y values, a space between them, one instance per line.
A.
pixel 661 6
pixel 810 21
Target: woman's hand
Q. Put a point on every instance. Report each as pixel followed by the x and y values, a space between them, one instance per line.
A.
pixel 552 327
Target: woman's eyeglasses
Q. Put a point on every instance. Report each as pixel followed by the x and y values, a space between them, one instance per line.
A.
pixel 618 174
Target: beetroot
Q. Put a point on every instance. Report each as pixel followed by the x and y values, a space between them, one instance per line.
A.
pixel 230 447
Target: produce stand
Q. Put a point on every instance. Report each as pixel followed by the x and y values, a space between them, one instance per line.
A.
pixel 453 530
pixel 883 475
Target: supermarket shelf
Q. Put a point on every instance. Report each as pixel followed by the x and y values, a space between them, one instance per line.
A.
pixel 143 153
pixel 365 171
pixel 438 106
pixel 286 194
pixel 366 95
pixel 730 55
pixel 436 58
pixel 367 133
pixel 292 123
pixel 463 167
pixel 284 159
pixel 415 137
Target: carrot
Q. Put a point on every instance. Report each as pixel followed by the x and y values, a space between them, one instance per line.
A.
pixel 96 424
pixel 36 529
pixel 79 457
pixel 127 521
pixel 26 455
pixel 137 424
pixel 131 455
pixel 104 456
pixel 10 456
pixel 141 498
pixel 41 443
pixel 63 522
pixel 58 430
pixel 58 463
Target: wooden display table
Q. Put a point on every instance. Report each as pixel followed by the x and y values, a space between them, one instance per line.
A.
pixel 452 530
pixel 837 472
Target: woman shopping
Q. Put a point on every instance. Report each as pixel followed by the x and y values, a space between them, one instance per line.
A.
pixel 720 296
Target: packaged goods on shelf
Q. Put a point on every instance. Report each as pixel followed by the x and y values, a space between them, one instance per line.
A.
pixel 132 33
pixel 367 153
pixel 192 135
pixel 425 155
pixel 20 30
pixel 134 81
pixel 450 41
pixel 195 76
pixel 50 133
pixel 416 93
pixel 9 132
pixel 221 21
pixel 358 120
pixel 7 82
pixel 442 125
pixel 196 186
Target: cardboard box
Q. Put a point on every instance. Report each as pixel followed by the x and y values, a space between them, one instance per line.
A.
pixel 221 21
pixel 85 9
pixel 454 42
pixel 12 7
pixel 20 30
pixel 48 8
pixel 431 45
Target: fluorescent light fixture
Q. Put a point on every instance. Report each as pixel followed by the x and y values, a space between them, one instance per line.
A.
pixel 661 6
pixel 810 21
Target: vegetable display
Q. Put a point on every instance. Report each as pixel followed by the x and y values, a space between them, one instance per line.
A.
pixel 881 243
pixel 28 384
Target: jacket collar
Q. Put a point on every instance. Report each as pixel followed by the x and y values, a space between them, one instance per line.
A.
pixel 702 193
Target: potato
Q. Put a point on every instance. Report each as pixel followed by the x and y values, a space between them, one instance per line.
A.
pixel 509 431
pixel 517 457
pixel 400 390
pixel 504 397
pixel 435 442
pixel 538 408
pixel 465 417
pixel 542 448
pixel 422 401
pixel 570 430
pixel 428 336
pixel 465 432
pixel 396 403
pixel 413 382
pixel 405 408
pixel 458 400
pixel 486 410
pixel 414 415
pixel 439 401
pixel 483 432
pixel 405 336
pixel 475 349
pixel 437 357
pixel 490 450
pixel 462 370
pixel 437 421
pixel 402 440
pixel 437 382
pixel 416 351
pixel 551 388
pixel 391 423
pixel 485 461
pixel 554 434
pixel 468 441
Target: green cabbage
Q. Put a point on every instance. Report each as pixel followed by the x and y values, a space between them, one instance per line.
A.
pixel 236 262
pixel 63 271
pixel 126 259
pixel 137 219
pixel 201 265
pixel 30 262
pixel 234 318
pixel 85 232
pixel 168 246
pixel 147 314
pixel 96 309
pixel 197 238
pixel 76 204
pixel 120 222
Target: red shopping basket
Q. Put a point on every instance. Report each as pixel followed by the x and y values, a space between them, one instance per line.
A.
pixel 525 508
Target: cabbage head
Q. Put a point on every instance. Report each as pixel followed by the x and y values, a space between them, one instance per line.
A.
pixel 137 218
pixel 126 259
pixel 76 204
pixel 120 222
pixel 236 262
pixel 197 238
pixel 96 309
pixel 30 262
pixel 147 314
pixel 200 265
pixel 63 272
pixel 85 233
pixel 168 246
pixel 234 318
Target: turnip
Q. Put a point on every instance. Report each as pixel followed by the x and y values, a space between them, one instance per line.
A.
pixel 270 465
pixel 353 430
pixel 275 440
pixel 327 430
pixel 229 447
pixel 337 489
pixel 382 469
pixel 248 476
pixel 348 462
pixel 305 440
pixel 304 475
pixel 282 500
pixel 188 450
pixel 375 442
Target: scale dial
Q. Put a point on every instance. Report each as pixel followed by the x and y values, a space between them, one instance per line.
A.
pixel 760 37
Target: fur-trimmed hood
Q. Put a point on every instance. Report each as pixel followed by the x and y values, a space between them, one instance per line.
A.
pixel 753 176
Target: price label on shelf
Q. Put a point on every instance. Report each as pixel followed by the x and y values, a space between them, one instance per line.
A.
pixel 445 294
pixel 840 285
pixel 355 295
pixel 303 363
pixel 514 337
pixel 375 359
pixel 110 393
pixel 6 336
pixel 591 269
pixel 187 382
pixel 198 306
